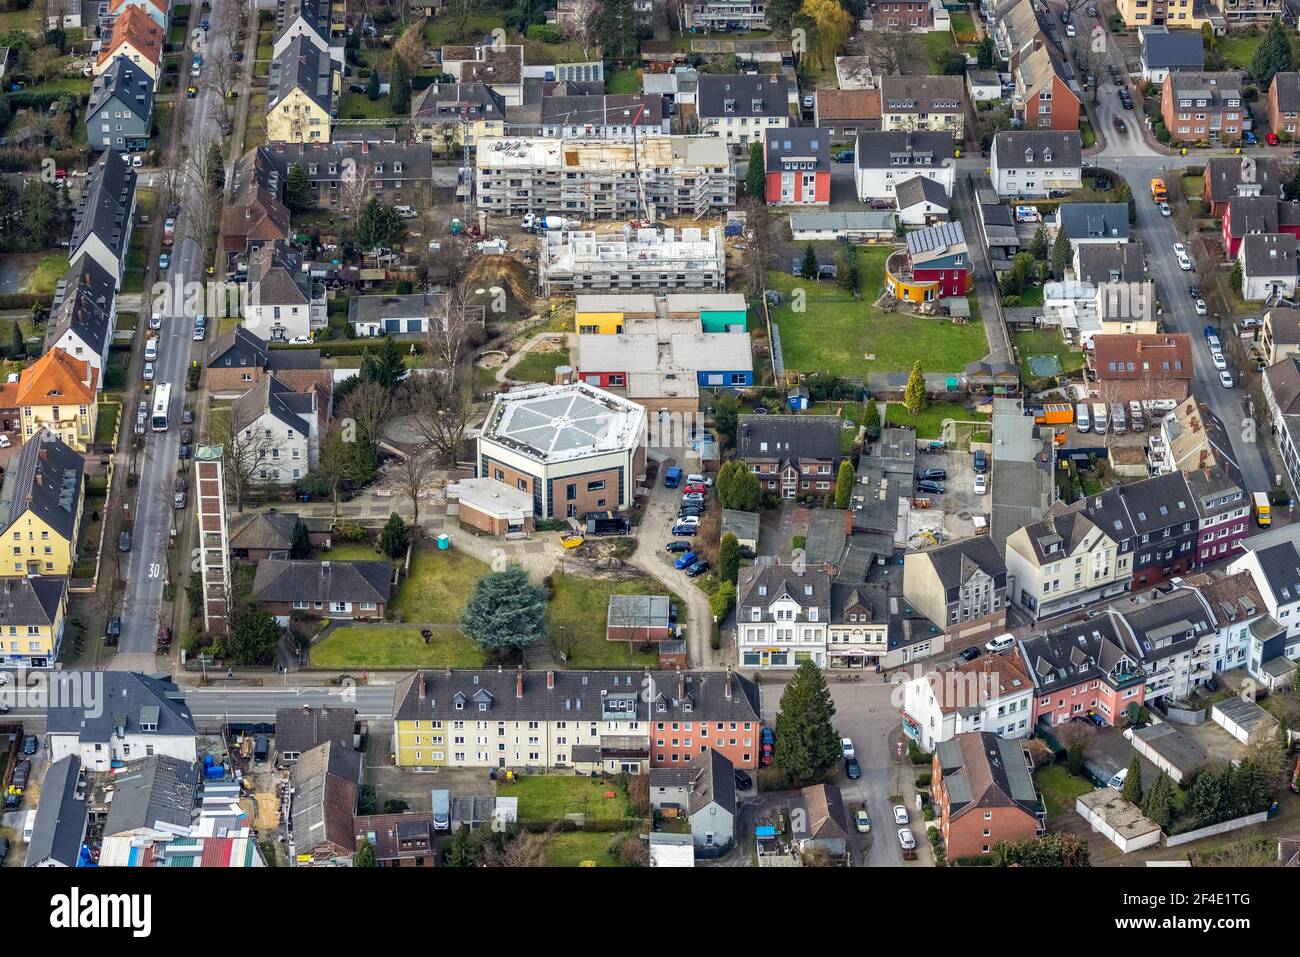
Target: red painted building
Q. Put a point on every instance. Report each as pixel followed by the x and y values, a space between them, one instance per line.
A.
pixel 1081 671
pixel 1250 214
pixel 983 794
pixel 901 13
pixel 1044 100
pixel 797 162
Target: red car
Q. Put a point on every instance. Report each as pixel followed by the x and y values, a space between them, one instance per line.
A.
pixel 1270 139
pixel 696 487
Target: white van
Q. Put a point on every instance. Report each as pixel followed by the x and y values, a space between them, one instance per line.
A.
pixel 1099 418
pixel 29 825
pixel 1001 642
pixel 151 350
pixel 697 479
pixel 1117 421
pixel 1081 417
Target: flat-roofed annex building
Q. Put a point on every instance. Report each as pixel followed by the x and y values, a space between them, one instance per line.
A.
pixel 575 448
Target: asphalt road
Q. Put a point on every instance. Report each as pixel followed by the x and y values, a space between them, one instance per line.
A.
pixel 151 511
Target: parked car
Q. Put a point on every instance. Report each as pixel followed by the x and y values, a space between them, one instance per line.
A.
pixel 846 747
pixel 187 436
pixel 1117 782
pixel 900 814
pixel 743 781
pixel 1120 125
pixel 969 654
pixel 1249 138
pixel 1225 380
pixel 981 461
pixel 124 542
pixel 698 569
pixel 1220 363
pixel 852 768
pixel 932 475
pixel 113 629
pixel 1165 210
pixel 696 489
pixel 981 484
pixel 676 547
pixel 1270 138
pixel 768 741
pixel 680 529
pixel 148 372
pixel 930 488
pixel 30 744
pixel 689 520
pixel 906 840
pixel 686 561
pixel 1201 308
pixel 187 417
pixel 164 260
pixel 862 821
pixel 183 453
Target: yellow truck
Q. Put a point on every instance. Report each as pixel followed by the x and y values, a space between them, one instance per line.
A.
pixel 1158 192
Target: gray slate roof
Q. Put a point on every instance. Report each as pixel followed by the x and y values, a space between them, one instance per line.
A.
pixel 106 204
pixel 271 395
pixel 45 477
pixel 760 585
pixel 1175 50
pixel 128 695
pixel 1269 254
pixel 577 695
pixel 800 142
pixel 1041 149
pixel 301 729
pixel 156 790
pixel 452 102
pixel 982 770
pixel 1094 220
pixel 273 530
pixel 60 816
pixel 788 437
pixel 1110 262
pixel 1165 626
pixel 324 801
pixel 713 781
pixel 921 189
pixel 278 580
pixel 302 66
pixel 87 302
pixel 955 562
pixel 761 96
pixel 894 150
pixel 124 83
pixel 33 600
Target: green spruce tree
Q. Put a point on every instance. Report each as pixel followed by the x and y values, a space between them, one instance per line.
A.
pixel 914 394
pixel 844 484
pixel 807 744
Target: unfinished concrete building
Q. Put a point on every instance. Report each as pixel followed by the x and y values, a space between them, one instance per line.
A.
pixel 652 177
pixel 690 258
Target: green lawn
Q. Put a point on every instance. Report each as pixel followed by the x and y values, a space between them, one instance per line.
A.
pixel 538 366
pixel 1046 342
pixel 579 608
pixel 1059 789
pixel 106 421
pixel 47 274
pixel 835 333
pixel 963 27
pixel 438 586
pixel 442 30
pixel 1240 50
pixel 1033 296
pixel 622 81
pixel 549 797
pixel 937 44
pixel 28 20
pixel 571 848
pixel 929 422
pixel 350 552
pixel 358 646
pixel 359 106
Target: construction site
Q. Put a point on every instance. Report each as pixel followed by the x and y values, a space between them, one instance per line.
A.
pixel 649 178
pixel 643 258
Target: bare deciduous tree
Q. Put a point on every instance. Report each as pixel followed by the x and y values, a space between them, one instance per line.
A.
pixel 223 71
pixel 369 404
pixel 585 25
pixel 411 47
pixel 891 46
pixel 414 478
pixel 760 249
pixel 248 451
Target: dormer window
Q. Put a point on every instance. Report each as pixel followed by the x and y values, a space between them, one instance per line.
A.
pixel 1047 155
pixel 729 106
pixel 1029 156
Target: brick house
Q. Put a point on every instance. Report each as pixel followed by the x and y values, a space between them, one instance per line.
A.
pixel 791 454
pixel 797 162
pixel 914 14
pixel 323 589
pixel 983 794
pixel 692 712
pixel 1081 669
pixel 240 359
pixel 1202 107
pixel 1246 215
pixel 1283 104
pixel 1228 176
pixel 1043 98
pixel 399 840
pixel 1142 367
pixel 843 114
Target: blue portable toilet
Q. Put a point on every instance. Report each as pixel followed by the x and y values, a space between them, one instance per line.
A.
pixel 444 542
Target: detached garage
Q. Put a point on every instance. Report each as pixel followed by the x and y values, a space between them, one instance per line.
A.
pixel 1119 821
pixel 1244 720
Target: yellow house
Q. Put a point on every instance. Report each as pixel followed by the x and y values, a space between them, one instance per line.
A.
pixel 596 313
pixel 134 36
pixel 40 506
pixel 31 620
pixel 443 114
pixel 57 392
pixel 301 94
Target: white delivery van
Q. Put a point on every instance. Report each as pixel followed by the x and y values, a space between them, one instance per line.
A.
pixel 1099 418
pixel 1136 419
pixel 1118 425
pixel 1081 417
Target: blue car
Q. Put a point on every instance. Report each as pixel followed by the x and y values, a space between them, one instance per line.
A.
pixel 164 261
pixel 686 561
pixel 1250 138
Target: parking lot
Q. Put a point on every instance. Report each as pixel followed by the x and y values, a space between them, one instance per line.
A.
pixel 954 509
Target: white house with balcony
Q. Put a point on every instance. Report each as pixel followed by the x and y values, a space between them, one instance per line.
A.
pixel 783 615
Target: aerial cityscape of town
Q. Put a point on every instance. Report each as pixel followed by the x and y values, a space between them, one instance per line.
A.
pixel 649 433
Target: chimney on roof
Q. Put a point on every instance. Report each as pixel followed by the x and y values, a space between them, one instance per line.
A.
pixel 519 682
pixel 726 687
pixel 422 686
pixel 550 681
pixel 681 685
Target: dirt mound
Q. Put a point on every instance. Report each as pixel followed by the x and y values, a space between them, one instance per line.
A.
pixel 506 271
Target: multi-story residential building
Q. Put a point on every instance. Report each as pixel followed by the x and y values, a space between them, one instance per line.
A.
pixel 1110 294
pixel 658 176
pixel 923 103
pixel 724 15
pixel 620 116
pixel 347 174
pixel 1043 99
pixel 119 115
pixel 575 448
pixel 1228 176
pixel 1142 367
pixel 1036 162
pixel 1081 670
pixel 84 315
pixel 1236 604
pixel 797 163
pixel 148 716
pixel 961 586
pixel 333 590
pixel 101 226
pixel 935 264
pixel 843 114
pixel 654 259
pixel 782 616
pixel 1164 51
pixel 739 108
pixel 1273 561
pixel 57 393
pixel 1190 437
pixel 283 426
pixel 1016 31
pixel 136 38
pixel 40 506
pixel 283 301
pixel 1247 215
pixel 610 721
pixel 1268 267
pixel 1063 562
pixel 301 94
pixel 1283 105
pixel 1148 13
pixel 500 67
pixel 792 455
pixel 1165 519
pixel 255 214
pixel 1203 107
pixel 35 611
pixel 1224 508
pixel 1172 635
pixel 913 14
pixel 443 114
pixel 858 636
pixel 983 794
pixel 884 160
pixel 1281 386
pixel 240 360
pixel 1280 336
pixel 992 694
pixel 312 19
pixel 159 11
